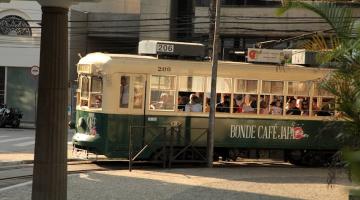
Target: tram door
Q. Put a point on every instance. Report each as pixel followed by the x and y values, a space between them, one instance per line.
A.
pixel 132 102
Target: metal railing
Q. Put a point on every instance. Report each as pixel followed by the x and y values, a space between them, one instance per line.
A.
pixel 164 137
pixel 161 131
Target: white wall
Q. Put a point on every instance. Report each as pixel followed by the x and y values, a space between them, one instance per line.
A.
pixel 12 55
pixel 21 51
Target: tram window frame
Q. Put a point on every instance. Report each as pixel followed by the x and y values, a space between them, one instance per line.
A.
pixel 84 91
pixel 124 90
pixel 242 98
pixel 271 93
pixel 223 91
pixel 139 89
pixel 96 92
pixel 296 92
pixel 320 94
pixel 187 93
pixel 301 97
pixel 163 93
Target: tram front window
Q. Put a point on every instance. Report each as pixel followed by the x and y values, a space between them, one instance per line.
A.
pixel 84 91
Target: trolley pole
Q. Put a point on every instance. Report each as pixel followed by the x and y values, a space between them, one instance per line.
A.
pixel 211 129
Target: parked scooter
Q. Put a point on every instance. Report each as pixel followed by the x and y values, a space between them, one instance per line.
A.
pixel 10 116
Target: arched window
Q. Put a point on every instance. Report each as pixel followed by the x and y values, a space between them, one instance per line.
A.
pixel 14 25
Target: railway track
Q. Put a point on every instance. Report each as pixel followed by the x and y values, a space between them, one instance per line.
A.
pixel 9 176
pixel 24 172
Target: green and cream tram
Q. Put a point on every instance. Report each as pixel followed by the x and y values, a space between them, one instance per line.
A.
pixel 262 110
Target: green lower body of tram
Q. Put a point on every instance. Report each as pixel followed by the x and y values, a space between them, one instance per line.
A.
pixel 297 141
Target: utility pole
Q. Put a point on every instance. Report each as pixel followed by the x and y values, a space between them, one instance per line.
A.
pixel 212 15
pixel 214 63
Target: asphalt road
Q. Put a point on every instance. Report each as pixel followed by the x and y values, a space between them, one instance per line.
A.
pixel 248 183
pixel 19 140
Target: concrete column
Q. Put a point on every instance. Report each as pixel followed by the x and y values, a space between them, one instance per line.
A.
pixel 50 163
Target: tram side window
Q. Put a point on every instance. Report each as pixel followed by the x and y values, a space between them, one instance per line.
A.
pixel 96 92
pixel 191 93
pixel 162 95
pixel 84 92
pixel 272 97
pixel 298 98
pixel 124 91
pixel 245 96
pixel 139 91
pixel 323 102
pixel 223 94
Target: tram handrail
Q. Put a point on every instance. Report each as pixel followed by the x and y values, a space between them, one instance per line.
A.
pixel 167 142
pixel 131 158
pixel 172 158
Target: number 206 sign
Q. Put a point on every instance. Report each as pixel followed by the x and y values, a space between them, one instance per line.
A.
pixel 166 48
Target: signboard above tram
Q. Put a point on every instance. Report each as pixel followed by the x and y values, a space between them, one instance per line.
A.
pixel 278 56
pixel 265 55
pixel 170 48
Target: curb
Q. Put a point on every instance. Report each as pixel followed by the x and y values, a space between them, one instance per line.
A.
pixel 24 162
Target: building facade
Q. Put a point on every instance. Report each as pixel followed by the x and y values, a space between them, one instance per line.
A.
pixel 108 26
pixel 19 51
pixel 243 23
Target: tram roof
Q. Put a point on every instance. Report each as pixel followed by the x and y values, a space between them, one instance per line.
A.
pixel 137 62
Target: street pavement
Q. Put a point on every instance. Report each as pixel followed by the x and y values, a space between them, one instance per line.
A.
pixel 241 182
pixel 17 145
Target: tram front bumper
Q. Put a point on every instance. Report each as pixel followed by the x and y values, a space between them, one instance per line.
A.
pixel 85 141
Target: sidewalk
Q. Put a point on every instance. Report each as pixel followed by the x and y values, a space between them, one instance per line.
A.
pixel 18 158
pixel 27 125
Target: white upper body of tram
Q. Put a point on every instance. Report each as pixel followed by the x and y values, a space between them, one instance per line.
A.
pixel 138 85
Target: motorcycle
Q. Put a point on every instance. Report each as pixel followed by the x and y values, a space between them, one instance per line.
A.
pixel 10 116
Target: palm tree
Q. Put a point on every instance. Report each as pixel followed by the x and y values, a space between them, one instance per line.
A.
pixel 344 82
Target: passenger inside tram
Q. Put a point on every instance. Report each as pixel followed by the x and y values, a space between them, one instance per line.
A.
pixel 292 107
pixel 305 108
pixel 164 103
pixel 182 101
pixel 264 107
pixel 248 101
pixel 276 108
pixel 224 105
pixel 194 104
